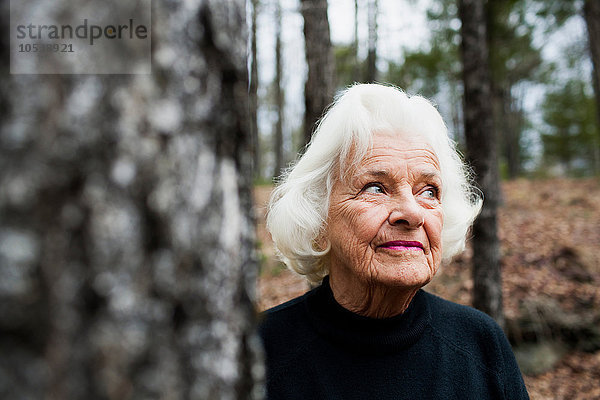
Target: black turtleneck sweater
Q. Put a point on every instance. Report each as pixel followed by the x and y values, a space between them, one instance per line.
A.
pixel 316 349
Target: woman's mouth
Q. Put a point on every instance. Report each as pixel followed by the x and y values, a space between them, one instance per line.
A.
pixel 402 245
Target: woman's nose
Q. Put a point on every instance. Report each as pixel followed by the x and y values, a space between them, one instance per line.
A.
pixel 407 212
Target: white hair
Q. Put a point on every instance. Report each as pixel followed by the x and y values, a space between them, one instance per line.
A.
pixel 298 206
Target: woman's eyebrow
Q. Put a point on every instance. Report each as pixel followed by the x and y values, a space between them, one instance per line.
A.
pixel 429 175
pixel 377 174
pixel 423 175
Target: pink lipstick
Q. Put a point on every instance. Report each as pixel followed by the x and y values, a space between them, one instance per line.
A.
pixel 403 245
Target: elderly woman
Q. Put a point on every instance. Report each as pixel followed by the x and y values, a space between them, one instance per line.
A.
pixel 378 200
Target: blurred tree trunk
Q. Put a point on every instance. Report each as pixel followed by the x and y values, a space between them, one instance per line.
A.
pixel 356 67
pixel 318 91
pixel 500 86
pixel 513 60
pixel 253 97
pixel 126 239
pixel 371 72
pixel 508 120
pixel 482 155
pixel 591 12
pixel 515 123
pixel 278 142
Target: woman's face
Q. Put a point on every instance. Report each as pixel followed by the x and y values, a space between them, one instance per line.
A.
pixel 385 217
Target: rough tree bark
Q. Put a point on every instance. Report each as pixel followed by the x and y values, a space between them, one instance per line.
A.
pixel 371 71
pixel 253 92
pixel 591 12
pixel 482 155
pixel 318 91
pixel 126 239
pixel 278 133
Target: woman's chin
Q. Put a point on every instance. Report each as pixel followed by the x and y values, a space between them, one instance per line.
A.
pixel 408 272
pixel 404 275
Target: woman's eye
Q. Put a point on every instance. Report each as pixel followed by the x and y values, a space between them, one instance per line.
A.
pixel 430 193
pixel 373 188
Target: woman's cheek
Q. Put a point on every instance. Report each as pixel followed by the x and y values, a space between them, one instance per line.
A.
pixel 369 222
pixel 433 226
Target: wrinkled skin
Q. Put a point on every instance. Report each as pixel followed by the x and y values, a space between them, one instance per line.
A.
pixel 394 194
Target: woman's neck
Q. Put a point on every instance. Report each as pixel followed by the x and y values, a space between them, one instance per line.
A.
pixel 370 298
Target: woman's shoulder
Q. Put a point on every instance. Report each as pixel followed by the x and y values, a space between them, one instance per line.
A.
pixel 447 314
pixel 283 319
pixel 479 339
pixel 283 314
pixel 286 307
pixel 470 332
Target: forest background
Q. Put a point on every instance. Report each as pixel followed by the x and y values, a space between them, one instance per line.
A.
pixel 539 56
pixel 545 122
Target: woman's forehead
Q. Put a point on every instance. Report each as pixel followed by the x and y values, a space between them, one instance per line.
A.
pixel 390 151
pixel 400 139
pixel 399 148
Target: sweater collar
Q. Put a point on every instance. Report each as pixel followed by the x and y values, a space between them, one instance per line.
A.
pixel 360 333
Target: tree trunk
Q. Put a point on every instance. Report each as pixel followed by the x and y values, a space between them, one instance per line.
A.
pixel 514 127
pixel 126 237
pixel 371 73
pixel 278 142
pixel 509 124
pixel 253 93
pixel 356 67
pixel 591 12
pixel 482 155
pixel 318 91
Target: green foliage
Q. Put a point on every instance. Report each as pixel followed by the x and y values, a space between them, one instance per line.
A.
pixel 428 71
pixel 347 68
pixel 572 135
pixel 425 72
pixel 555 12
pixel 513 58
pixel 263 181
pixel 515 62
pixel 435 71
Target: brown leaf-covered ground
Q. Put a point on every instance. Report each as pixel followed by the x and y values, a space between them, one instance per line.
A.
pixel 550 236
